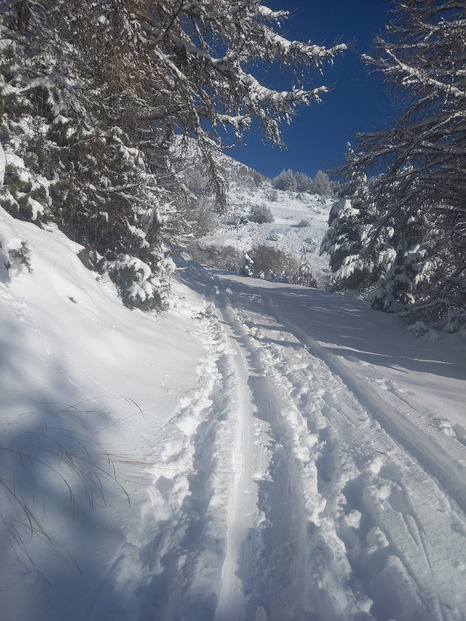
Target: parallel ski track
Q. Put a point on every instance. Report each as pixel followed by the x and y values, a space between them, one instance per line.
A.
pixel 270 558
pixel 430 455
pixel 421 561
pixel 307 497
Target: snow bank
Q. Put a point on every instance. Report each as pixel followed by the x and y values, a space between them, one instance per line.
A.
pixel 87 386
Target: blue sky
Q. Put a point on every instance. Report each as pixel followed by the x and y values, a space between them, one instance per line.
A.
pixel 358 101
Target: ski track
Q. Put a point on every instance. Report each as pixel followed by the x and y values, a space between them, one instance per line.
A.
pixel 290 490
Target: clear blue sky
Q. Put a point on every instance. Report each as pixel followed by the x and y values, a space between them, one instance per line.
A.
pixel 358 101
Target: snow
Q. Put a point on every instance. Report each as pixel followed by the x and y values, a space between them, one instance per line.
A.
pixel 2 165
pixel 288 454
pixel 289 232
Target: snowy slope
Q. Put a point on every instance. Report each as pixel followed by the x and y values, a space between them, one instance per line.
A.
pixel 288 454
pixel 300 222
pixel 82 376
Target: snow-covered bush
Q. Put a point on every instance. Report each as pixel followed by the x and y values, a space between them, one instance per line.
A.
pixel 261 214
pixel 15 256
pixel 137 282
pixel 272 264
pixel 226 258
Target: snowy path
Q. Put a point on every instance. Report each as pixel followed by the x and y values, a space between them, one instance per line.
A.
pixel 289 454
pixel 309 484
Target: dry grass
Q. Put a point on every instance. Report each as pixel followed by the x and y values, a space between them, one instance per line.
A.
pixel 50 460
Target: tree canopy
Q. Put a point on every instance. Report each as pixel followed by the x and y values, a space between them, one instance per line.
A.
pixel 408 227
pixel 92 95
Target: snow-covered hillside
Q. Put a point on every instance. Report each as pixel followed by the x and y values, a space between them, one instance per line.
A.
pixel 299 223
pixel 287 453
pixel 293 222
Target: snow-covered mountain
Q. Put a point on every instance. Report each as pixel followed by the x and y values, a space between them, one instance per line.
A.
pixel 257 215
pixel 298 226
pixel 260 452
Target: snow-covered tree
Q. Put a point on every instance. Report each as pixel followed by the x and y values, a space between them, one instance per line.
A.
pixel 247 266
pixel 303 182
pixel 346 243
pixel 286 181
pixel 392 260
pixel 304 275
pixel 419 190
pixel 72 156
pixel 92 95
pixel 322 184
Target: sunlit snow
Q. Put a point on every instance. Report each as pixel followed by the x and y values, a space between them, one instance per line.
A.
pixel 262 451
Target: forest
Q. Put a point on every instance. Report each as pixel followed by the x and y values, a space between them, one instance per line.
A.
pixel 94 94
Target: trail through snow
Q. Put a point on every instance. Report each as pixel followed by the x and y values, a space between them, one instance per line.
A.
pixel 289 454
pixel 324 495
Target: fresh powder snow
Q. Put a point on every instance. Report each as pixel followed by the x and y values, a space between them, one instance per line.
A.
pixel 260 452
pixel 2 165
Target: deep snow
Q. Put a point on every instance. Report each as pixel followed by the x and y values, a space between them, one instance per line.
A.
pixel 288 454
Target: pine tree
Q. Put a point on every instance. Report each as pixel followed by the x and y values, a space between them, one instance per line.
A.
pixel 286 181
pixel 304 275
pixel 322 184
pixel 350 222
pixel 303 182
pixel 419 190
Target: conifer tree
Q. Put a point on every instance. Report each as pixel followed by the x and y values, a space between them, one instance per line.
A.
pixel 304 275
pixel 286 181
pixel 322 184
pixel 418 194
pixel 93 94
